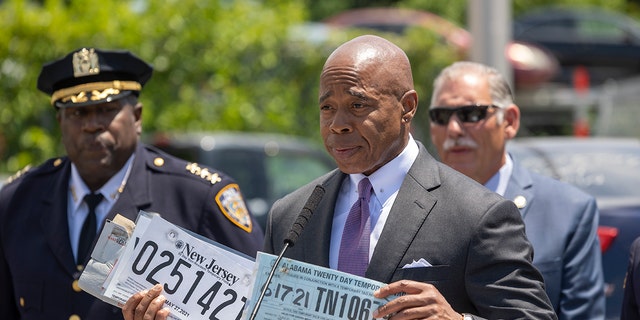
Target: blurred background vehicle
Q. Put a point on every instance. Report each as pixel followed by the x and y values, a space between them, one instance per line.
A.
pixel 603 44
pixel 609 170
pixel 531 63
pixel 266 166
pixel 396 20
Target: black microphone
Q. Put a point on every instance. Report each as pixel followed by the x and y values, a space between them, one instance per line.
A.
pixel 304 216
pixel 290 240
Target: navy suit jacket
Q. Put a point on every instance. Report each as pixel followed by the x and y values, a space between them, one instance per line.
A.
pixel 38 274
pixel 631 297
pixel 474 239
pixel 561 223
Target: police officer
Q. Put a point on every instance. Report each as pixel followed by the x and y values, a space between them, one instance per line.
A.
pixel 47 228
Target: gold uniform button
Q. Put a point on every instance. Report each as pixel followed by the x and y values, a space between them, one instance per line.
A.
pixel 159 162
pixel 75 286
pixel 22 302
pixel 74 317
pixel 57 162
pixel 80 267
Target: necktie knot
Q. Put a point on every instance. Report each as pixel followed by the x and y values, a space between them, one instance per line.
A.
pixel 92 200
pixel 364 189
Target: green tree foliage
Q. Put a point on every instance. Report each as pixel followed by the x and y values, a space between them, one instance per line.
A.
pixel 219 65
pixel 456 10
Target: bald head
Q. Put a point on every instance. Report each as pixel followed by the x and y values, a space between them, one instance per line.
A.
pixel 366 103
pixel 387 64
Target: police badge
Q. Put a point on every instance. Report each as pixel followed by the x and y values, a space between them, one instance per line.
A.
pixel 231 203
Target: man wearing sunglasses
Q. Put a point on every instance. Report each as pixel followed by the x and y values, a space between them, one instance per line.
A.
pixel 472 116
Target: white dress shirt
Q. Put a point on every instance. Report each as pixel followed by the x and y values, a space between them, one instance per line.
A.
pixel 498 183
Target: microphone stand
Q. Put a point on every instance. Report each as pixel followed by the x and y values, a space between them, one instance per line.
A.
pixel 290 240
pixel 254 313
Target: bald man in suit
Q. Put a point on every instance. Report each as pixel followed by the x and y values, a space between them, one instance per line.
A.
pixel 472 239
pixel 475 260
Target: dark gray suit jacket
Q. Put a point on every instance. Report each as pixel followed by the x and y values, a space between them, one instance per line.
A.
pixel 474 239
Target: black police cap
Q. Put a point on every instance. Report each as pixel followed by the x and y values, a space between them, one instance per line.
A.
pixel 90 76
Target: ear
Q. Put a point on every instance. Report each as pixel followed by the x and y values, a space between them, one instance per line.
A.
pixel 512 121
pixel 409 103
pixel 137 113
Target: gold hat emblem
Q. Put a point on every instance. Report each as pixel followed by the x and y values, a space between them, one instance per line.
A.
pixel 85 63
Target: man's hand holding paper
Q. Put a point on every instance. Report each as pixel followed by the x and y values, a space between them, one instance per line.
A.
pixel 199 278
pixel 307 291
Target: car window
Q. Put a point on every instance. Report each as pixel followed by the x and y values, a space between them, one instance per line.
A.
pixel 561 31
pixel 599 31
pixel 576 27
pixel 603 172
pixel 246 166
pixel 600 173
pixel 290 171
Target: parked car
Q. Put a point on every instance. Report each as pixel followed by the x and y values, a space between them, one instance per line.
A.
pixel 396 20
pixel 608 169
pixel 604 44
pixel 531 64
pixel 266 166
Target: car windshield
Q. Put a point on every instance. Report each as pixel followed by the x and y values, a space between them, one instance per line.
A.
pixel 600 170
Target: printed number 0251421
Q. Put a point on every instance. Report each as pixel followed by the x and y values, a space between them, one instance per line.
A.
pixel 182 278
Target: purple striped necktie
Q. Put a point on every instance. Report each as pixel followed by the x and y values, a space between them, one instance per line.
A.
pixel 354 248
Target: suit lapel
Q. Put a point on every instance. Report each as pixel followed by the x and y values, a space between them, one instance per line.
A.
pixel 136 194
pixel 319 227
pixel 520 188
pixel 407 216
pixel 54 219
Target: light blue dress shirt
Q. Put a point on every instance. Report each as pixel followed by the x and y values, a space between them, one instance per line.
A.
pixel 386 183
pixel 77 209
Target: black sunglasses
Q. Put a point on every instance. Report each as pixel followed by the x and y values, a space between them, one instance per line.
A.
pixel 470 113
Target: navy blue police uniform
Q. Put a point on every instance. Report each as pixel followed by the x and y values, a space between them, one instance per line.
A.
pixel 38 272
